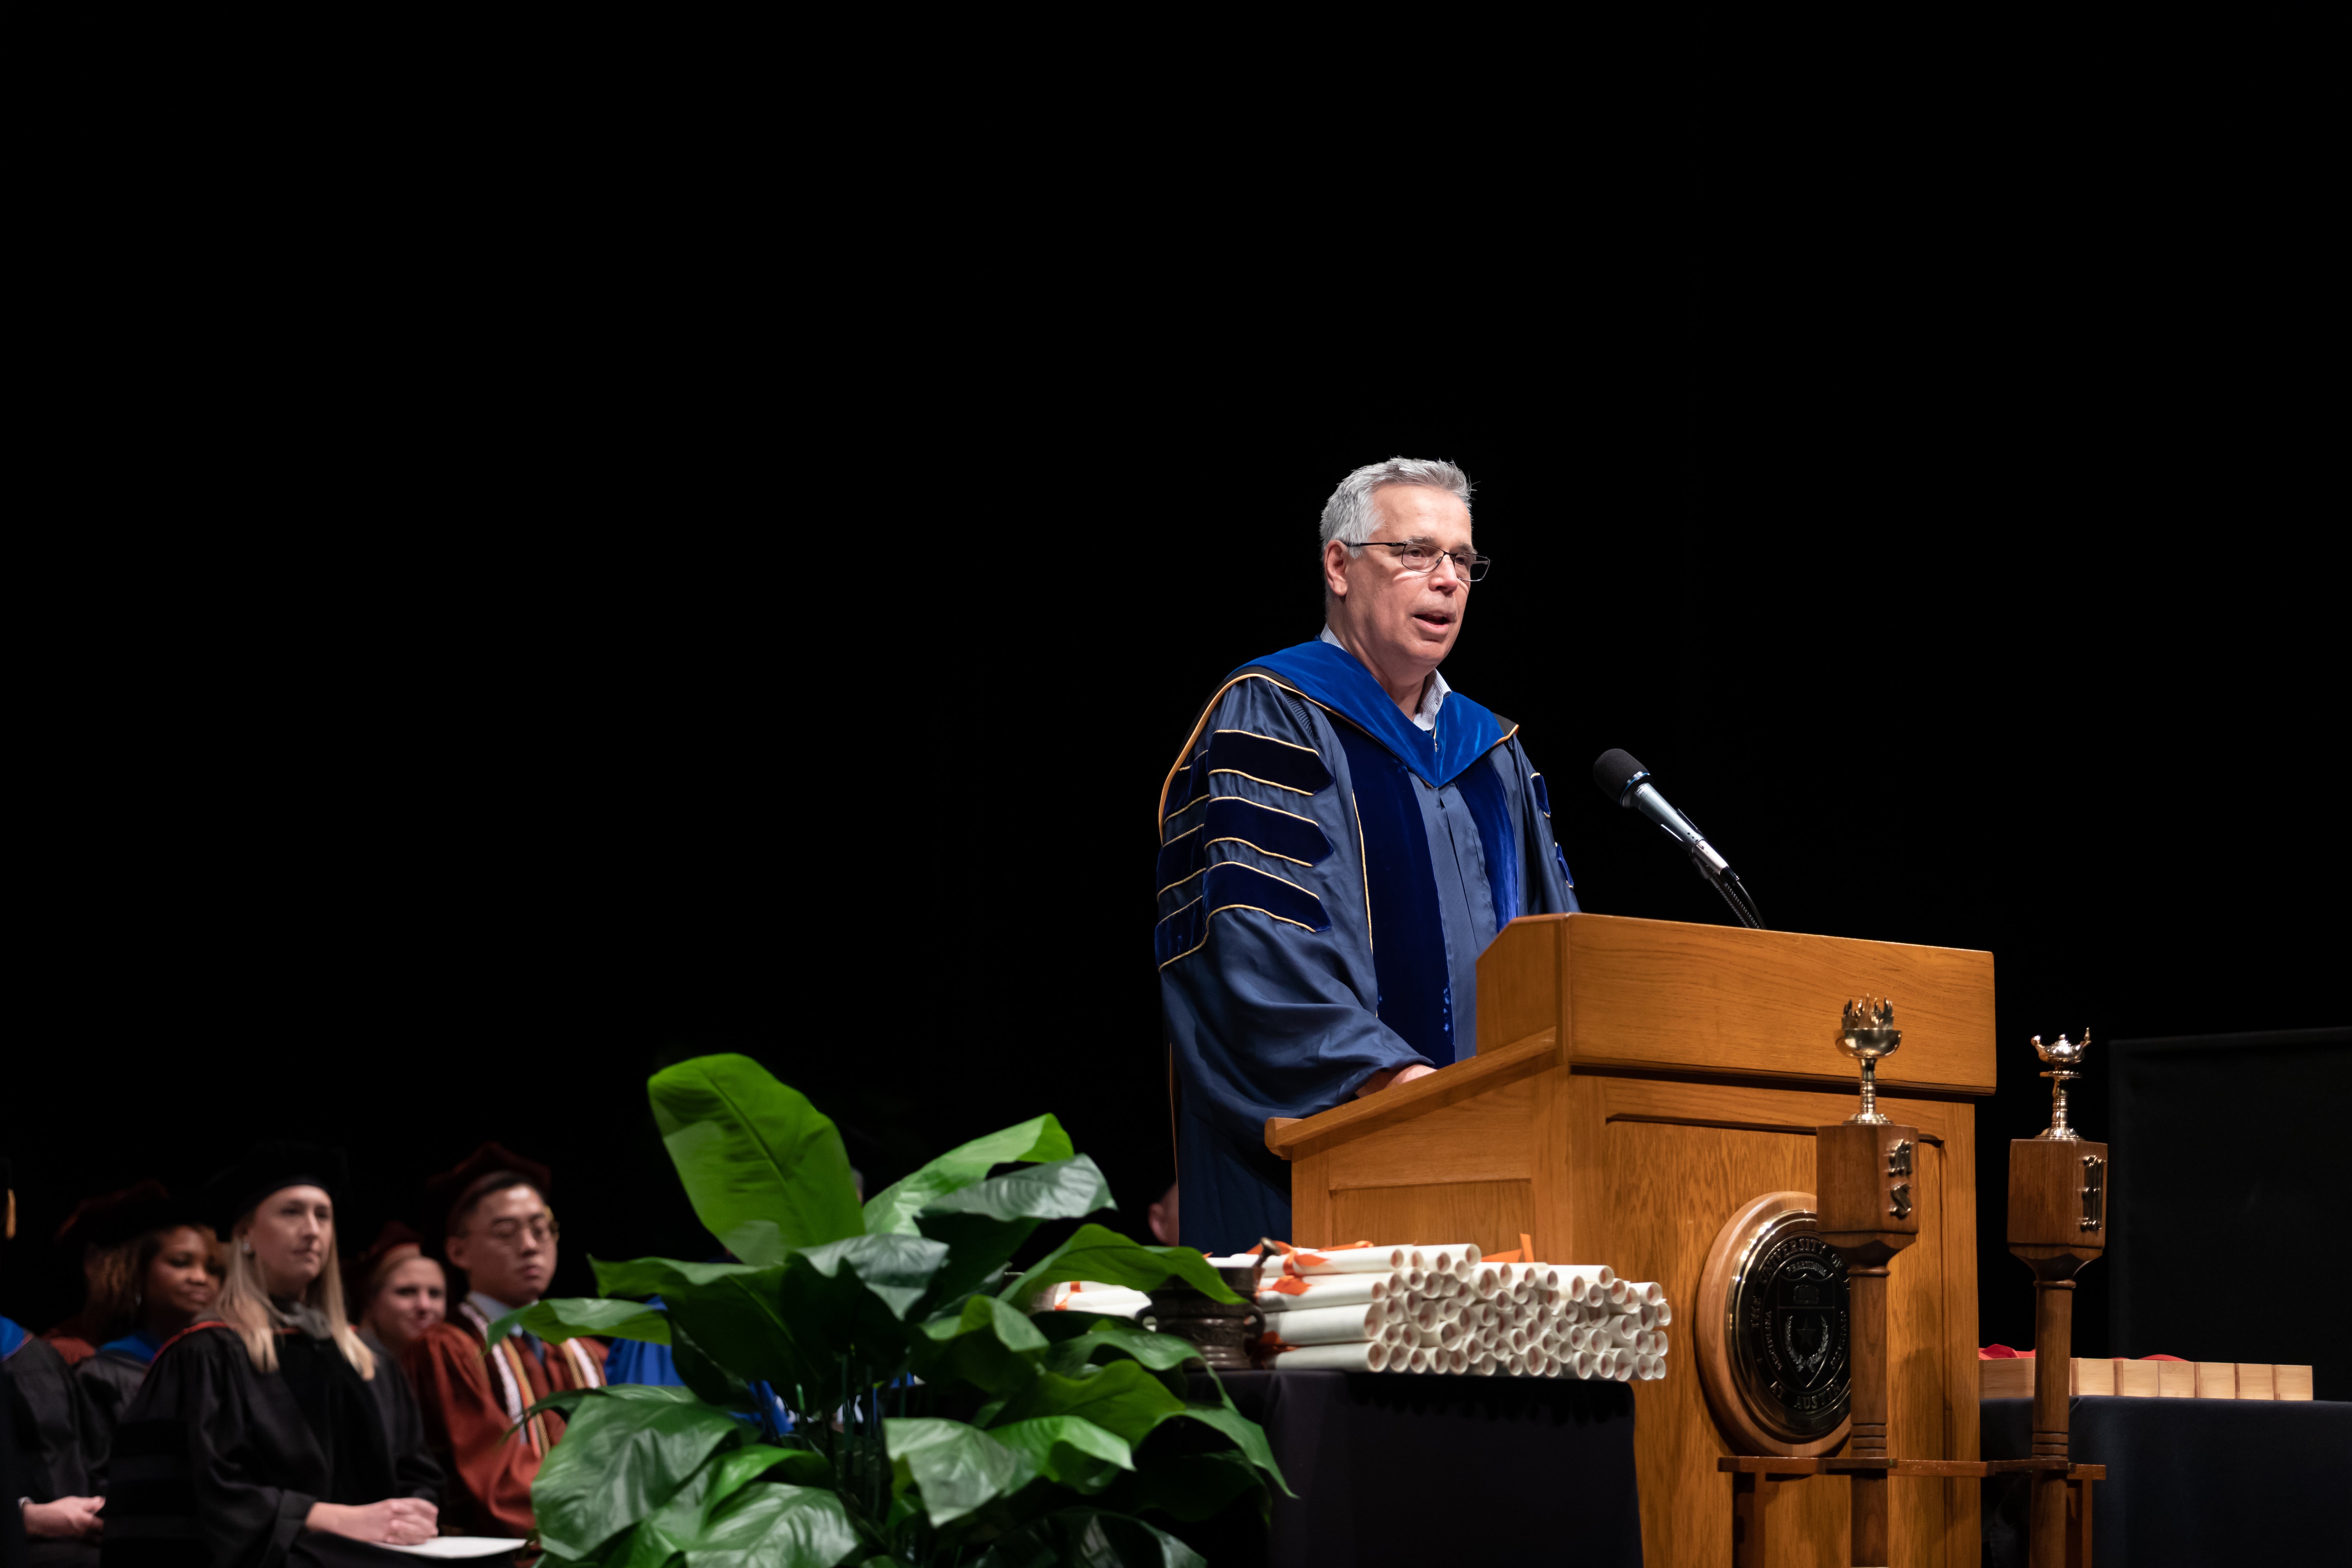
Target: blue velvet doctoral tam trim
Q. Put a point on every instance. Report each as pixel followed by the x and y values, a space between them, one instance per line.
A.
pixel 1416 999
pixel 1333 677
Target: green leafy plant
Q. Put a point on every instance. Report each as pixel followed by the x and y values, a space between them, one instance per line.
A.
pixel 935 1419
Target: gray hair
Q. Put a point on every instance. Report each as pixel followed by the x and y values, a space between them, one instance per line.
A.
pixel 1348 516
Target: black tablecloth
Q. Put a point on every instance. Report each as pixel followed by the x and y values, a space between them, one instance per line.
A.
pixel 1424 1469
pixel 2192 1482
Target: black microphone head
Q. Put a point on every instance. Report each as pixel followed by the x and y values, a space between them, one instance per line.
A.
pixel 1616 772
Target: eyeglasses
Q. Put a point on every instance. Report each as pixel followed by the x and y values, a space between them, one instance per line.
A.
pixel 506 1232
pixel 1419 557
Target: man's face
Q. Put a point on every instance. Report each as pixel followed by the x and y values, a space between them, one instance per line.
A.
pixel 1404 621
pixel 507 1251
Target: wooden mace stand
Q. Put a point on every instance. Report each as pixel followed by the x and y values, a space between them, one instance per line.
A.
pixel 2057 1223
pixel 1868 1212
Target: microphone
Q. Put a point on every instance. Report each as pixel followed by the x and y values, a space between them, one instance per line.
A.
pixel 1627 781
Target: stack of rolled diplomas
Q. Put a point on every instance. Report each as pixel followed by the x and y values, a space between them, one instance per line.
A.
pixel 1440 1308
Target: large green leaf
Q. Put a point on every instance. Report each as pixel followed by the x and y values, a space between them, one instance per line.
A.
pixel 1160 1353
pixel 896 1268
pixel 895 1206
pixel 562 1318
pixel 765 1170
pixel 1089 1538
pixel 984 1224
pixel 1247 1435
pixel 621 1457
pixel 1093 1252
pixel 848 1298
pixel 988 1344
pixel 771 1526
pixel 1122 1398
pixel 1189 1485
pixel 681 1523
pixel 732 1312
pixel 1068 1449
pixel 958 1467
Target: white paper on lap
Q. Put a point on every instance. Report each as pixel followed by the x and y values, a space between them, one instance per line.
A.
pixel 457 1546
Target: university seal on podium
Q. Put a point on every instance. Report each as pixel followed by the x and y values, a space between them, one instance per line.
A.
pixel 1772 1326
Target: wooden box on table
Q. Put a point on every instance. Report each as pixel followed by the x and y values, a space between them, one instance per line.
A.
pixel 1635 1083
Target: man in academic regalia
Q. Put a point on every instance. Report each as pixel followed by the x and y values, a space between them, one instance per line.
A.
pixel 501 1234
pixel 1341 835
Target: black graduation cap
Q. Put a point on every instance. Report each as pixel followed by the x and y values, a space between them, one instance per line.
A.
pixel 445 1192
pixel 110 1219
pixel 268 1168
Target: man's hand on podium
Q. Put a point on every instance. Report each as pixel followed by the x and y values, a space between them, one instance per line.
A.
pixel 1380 1081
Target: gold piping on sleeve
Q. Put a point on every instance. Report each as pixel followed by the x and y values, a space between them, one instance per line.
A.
pixel 1237 838
pixel 1221 908
pixel 1202 722
pixel 1275 739
pixel 1363 863
pixel 1181 880
pixel 1273 877
pixel 1179 909
pixel 1186 834
pixel 1270 784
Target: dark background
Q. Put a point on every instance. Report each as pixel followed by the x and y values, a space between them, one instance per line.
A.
pixel 562 705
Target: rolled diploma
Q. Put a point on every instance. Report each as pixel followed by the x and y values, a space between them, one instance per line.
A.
pixel 1666 1313
pixel 1645 1292
pixel 1622 1327
pixel 1331 1325
pixel 1362 1260
pixel 1329 1290
pixel 1456 1258
pixel 1562 1274
pixel 1333 1358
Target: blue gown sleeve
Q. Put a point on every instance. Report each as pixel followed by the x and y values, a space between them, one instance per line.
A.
pixel 1266 982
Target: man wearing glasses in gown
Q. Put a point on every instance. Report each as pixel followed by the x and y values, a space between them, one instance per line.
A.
pixel 500 1232
pixel 1340 837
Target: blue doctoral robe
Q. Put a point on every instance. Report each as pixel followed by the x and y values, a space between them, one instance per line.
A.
pixel 1328 874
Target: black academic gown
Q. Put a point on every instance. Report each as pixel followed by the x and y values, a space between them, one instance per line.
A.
pixel 414 1470
pixel 108 1381
pixel 53 1439
pixel 217 1464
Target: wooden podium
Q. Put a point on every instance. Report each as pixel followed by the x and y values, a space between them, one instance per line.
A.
pixel 1635 1083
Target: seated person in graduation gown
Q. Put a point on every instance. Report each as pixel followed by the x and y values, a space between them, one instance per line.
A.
pixel 96 1226
pixel 161 1275
pixel 1341 835
pixel 256 1438
pixel 502 1235
pixel 44 1434
pixel 395 1291
pixel 48 1423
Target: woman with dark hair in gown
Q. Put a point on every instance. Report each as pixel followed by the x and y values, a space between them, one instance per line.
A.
pixel 146 1288
pixel 257 1439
